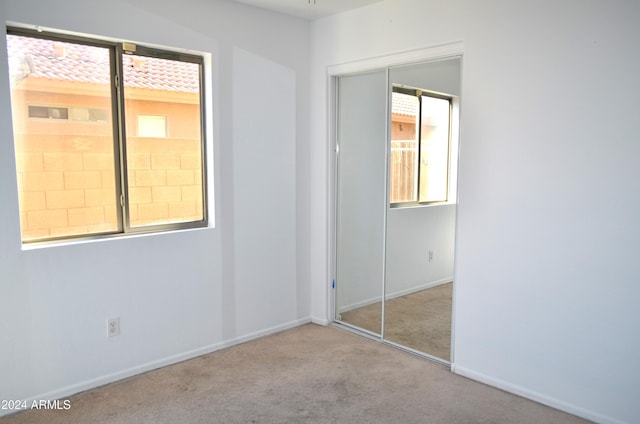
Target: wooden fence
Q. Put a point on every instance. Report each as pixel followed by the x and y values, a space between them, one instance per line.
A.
pixel 403 171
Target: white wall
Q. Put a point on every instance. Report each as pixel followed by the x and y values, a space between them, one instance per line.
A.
pixel 546 275
pixel 187 292
pixel 264 191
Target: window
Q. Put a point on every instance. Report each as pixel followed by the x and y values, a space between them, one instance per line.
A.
pixel 74 113
pixel 48 112
pixel 152 126
pixel 420 144
pixel 104 162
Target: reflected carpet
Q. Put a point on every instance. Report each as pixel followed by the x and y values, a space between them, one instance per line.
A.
pixel 420 320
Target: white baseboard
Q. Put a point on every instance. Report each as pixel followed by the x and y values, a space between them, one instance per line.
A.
pixel 399 293
pixel 262 333
pixel 359 304
pixel 414 289
pixel 320 321
pixel 73 389
pixel 535 396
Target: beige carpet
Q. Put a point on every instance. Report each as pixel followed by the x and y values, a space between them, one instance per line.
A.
pixel 420 320
pixel 310 374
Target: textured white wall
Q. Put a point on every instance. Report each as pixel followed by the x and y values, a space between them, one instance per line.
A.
pixel 183 293
pixel 264 191
pixel 546 274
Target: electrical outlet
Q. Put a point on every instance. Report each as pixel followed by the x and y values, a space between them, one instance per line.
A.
pixel 113 327
pixel 430 255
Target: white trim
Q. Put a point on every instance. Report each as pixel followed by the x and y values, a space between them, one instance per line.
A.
pixel 429 53
pixel 421 287
pixel 73 389
pixel 331 165
pixel 320 321
pixel 425 355
pixel 57 31
pixel 360 304
pixel 385 220
pixel 535 396
pixel 266 332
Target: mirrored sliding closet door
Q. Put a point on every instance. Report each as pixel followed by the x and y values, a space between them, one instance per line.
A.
pixel 397 134
pixel 360 203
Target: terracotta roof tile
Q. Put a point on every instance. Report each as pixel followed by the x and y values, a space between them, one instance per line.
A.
pixel 41 58
pixel 403 104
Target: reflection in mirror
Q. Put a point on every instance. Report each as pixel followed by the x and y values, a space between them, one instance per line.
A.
pixel 421 216
pixel 361 199
pixel 396 203
pixel 419 278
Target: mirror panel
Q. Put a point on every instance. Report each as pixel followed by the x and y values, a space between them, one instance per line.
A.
pixel 420 236
pixel 361 199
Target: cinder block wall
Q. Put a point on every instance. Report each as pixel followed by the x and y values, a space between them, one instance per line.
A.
pixel 66 172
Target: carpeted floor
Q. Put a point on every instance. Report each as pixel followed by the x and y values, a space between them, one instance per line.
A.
pixel 420 320
pixel 310 374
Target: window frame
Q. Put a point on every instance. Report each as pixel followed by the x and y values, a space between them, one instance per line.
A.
pixel 117 50
pixel 419 93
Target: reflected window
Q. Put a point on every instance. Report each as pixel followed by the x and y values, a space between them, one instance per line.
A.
pixel 420 147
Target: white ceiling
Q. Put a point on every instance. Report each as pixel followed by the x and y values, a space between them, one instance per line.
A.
pixel 309 9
